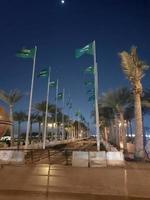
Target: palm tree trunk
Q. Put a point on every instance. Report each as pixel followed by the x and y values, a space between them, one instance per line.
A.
pixel 11 127
pixel 130 129
pixel 105 134
pixel 123 132
pixel 117 132
pixel 139 149
pixel 112 133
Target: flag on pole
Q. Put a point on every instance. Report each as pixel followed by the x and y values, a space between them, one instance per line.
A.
pixel 60 96
pixel 90 91
pixel 70 106
pixel 90 70
pixel 91 98
pixel 53 83
pixel 88 49
pixel 77 113
pixel 43 73
pixel 88 83
pixel 26 53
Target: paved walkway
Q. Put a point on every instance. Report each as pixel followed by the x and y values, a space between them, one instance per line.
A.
pixel 42 182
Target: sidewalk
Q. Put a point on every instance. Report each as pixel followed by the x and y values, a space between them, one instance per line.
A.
pixel 63 183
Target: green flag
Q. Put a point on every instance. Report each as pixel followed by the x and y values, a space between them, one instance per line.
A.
pixel 52 84
pixel 26 53
pixel 88 83
pixel 60 96
pixel 90 91
pixel 43 73
pixel 91 98
pixel 90 70
pixel 77 113
pixel 88 49
pixel 69 104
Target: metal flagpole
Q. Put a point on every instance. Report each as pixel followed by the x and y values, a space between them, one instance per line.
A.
pixel 63 100
pixel 78 124
pixel 30 102
pixel 96 97
pixel 46 113
pixel 56 111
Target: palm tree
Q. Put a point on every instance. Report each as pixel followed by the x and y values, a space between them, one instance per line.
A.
pixel 19 117
pixel 41 108
pixel 10 99
pixel 134 69
pixel 32 120
pixel 118 101
pixel 128 116
pixel 39 121
pixel 106 118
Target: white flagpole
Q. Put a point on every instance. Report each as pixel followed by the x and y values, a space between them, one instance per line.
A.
pixel 30 102
pixel 56 133
pixel 96 97
pixel 46 113
pixel 78 124
pixel 63 100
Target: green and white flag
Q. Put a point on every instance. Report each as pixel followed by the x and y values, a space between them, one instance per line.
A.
pixel 88 49
pixel 90 91
pixel 60 96
pixel 77 113
pixel 26 53
pixel 91 98
pixel 53 83
pixel 90 70
pixel 70 106
pixel 89 83
pixel 43 73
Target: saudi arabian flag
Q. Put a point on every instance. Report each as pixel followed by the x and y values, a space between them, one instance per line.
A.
pixel 77 113
pixel 91 98
pixel 43 73
pixel 52 84
pixel 88 83
pixel 91 91
pixel 90 70
pixel 26 53
pixel 60 96
pixel 70 106
pixel 88 49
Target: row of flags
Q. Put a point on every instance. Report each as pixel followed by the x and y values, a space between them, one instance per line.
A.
pixel 29 53
pixel 44 73
pixel 91 85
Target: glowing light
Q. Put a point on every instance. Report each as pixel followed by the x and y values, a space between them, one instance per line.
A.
pixel 62 1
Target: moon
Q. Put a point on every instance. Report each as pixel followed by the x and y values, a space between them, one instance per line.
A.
pixel 62 1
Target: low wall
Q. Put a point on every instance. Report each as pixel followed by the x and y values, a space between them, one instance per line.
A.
pixel 80 159
pixel 10 156
pixel 97 159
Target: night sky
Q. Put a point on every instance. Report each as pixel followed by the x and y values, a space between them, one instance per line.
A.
pixel 58 30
